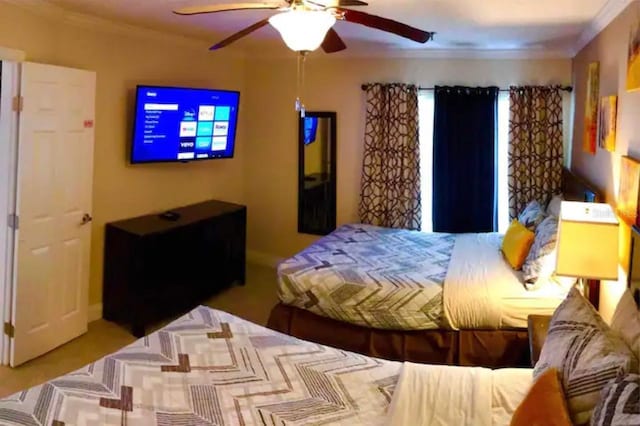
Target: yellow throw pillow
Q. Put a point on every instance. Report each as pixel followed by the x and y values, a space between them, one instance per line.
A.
pixel 544 404
pixel 516 244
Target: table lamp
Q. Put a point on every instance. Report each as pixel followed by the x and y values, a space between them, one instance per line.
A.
pixel 587 242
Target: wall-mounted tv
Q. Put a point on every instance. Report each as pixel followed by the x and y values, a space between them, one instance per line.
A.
pixel 183 124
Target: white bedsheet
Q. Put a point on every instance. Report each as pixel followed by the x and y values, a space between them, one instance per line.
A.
pixel 435 395
pixel 481 290
pixel 510 385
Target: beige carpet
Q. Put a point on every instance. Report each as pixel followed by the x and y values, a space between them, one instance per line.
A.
pixel 252 301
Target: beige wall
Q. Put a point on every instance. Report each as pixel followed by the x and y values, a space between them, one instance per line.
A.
pixel 603 168
pixel 263 174
pixel 122 61
pixel 334 85
pixel 610 49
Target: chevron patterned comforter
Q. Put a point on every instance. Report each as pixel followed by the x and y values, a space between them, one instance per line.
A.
pixel 211 368
pixel 371 276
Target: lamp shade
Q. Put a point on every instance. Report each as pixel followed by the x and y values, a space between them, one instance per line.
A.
pixel 303 30
pixel 587 241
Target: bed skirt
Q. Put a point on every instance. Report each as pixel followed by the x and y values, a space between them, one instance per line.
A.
pixel 483 348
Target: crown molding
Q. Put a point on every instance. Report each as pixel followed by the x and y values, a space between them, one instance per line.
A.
pixel 609 12
pixel 85 21
pixel 438 53
pixel 12 55
pixel 434 53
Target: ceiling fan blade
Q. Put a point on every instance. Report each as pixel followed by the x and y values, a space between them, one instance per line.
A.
pixel 196 10
pixel 337 3
pixel 227 41
pixel 332 42
pixel 384 24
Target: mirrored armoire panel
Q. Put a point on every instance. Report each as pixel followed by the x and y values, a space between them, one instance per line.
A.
pixel 317 173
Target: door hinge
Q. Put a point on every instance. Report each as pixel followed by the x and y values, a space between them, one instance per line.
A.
pixel 13 221
pixel 9 330
pixel 18 103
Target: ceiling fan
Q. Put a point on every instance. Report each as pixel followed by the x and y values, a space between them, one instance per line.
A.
pixel 306 25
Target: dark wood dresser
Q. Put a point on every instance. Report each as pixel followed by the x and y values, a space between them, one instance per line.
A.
pixel 155 267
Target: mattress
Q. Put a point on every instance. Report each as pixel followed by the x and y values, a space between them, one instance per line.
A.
pixel 407 280
pixel 371 276
pixel 212 368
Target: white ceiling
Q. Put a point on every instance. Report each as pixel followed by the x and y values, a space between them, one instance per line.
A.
pixel 468 25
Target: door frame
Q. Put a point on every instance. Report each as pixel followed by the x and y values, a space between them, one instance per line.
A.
pixel 8 164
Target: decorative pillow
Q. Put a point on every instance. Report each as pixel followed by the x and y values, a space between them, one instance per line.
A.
pixel 544 404
pixel 532 215
pixel 541 261
pixel 626 322
pixel 516 244
pixel 585 351
pixel 619 403
pixel 553 208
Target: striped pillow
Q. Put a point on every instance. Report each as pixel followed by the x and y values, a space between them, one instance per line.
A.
pixel 540 263
pixel 619 403
pixel 586 353
pixel 532 215
pixel 626 322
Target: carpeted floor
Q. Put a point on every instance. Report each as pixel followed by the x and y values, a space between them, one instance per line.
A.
pixel 252 301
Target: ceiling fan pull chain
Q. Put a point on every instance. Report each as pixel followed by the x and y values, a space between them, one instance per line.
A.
pixel 298 101
pixel 300 86
pixel 303 59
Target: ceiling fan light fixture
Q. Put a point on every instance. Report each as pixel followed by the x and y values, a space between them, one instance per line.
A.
pixel 303 30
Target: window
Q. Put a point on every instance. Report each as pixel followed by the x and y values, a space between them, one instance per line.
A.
pixel 426 116
pixel 426 111
pixel 503 161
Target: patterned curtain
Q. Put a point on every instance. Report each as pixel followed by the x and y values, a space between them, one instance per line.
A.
pixel 390 185
pixel 535 145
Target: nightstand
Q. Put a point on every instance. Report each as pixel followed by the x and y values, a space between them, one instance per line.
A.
pixel 538 327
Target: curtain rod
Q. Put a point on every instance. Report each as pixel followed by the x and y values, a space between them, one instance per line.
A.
pixel 563 88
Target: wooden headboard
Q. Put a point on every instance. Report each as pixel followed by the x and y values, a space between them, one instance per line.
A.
pixel 575 188
pixel 633 277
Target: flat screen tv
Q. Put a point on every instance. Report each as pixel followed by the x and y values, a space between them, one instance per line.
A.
pixel 183 124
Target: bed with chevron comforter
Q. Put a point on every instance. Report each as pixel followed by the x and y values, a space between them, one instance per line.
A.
pixel 212 368
pixel 371 276
pixel 393 279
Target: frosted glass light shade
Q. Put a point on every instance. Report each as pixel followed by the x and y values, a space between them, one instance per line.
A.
pixel 303 30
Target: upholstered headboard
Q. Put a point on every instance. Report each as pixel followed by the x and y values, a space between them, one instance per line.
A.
pixel 575 188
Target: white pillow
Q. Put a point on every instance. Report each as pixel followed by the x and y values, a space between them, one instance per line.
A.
pixel 626 322
pixel 553 208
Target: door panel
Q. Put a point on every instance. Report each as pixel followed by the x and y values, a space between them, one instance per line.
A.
pixel 71 276
pixel 37 286
pixel 55 175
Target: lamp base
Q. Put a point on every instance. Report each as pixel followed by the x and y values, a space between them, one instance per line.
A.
pixel 591 290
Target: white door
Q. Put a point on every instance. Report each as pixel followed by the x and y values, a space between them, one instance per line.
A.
pixel 55 174
pixel 8 153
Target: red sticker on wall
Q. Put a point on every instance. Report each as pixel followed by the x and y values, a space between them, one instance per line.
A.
pixel 88 124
